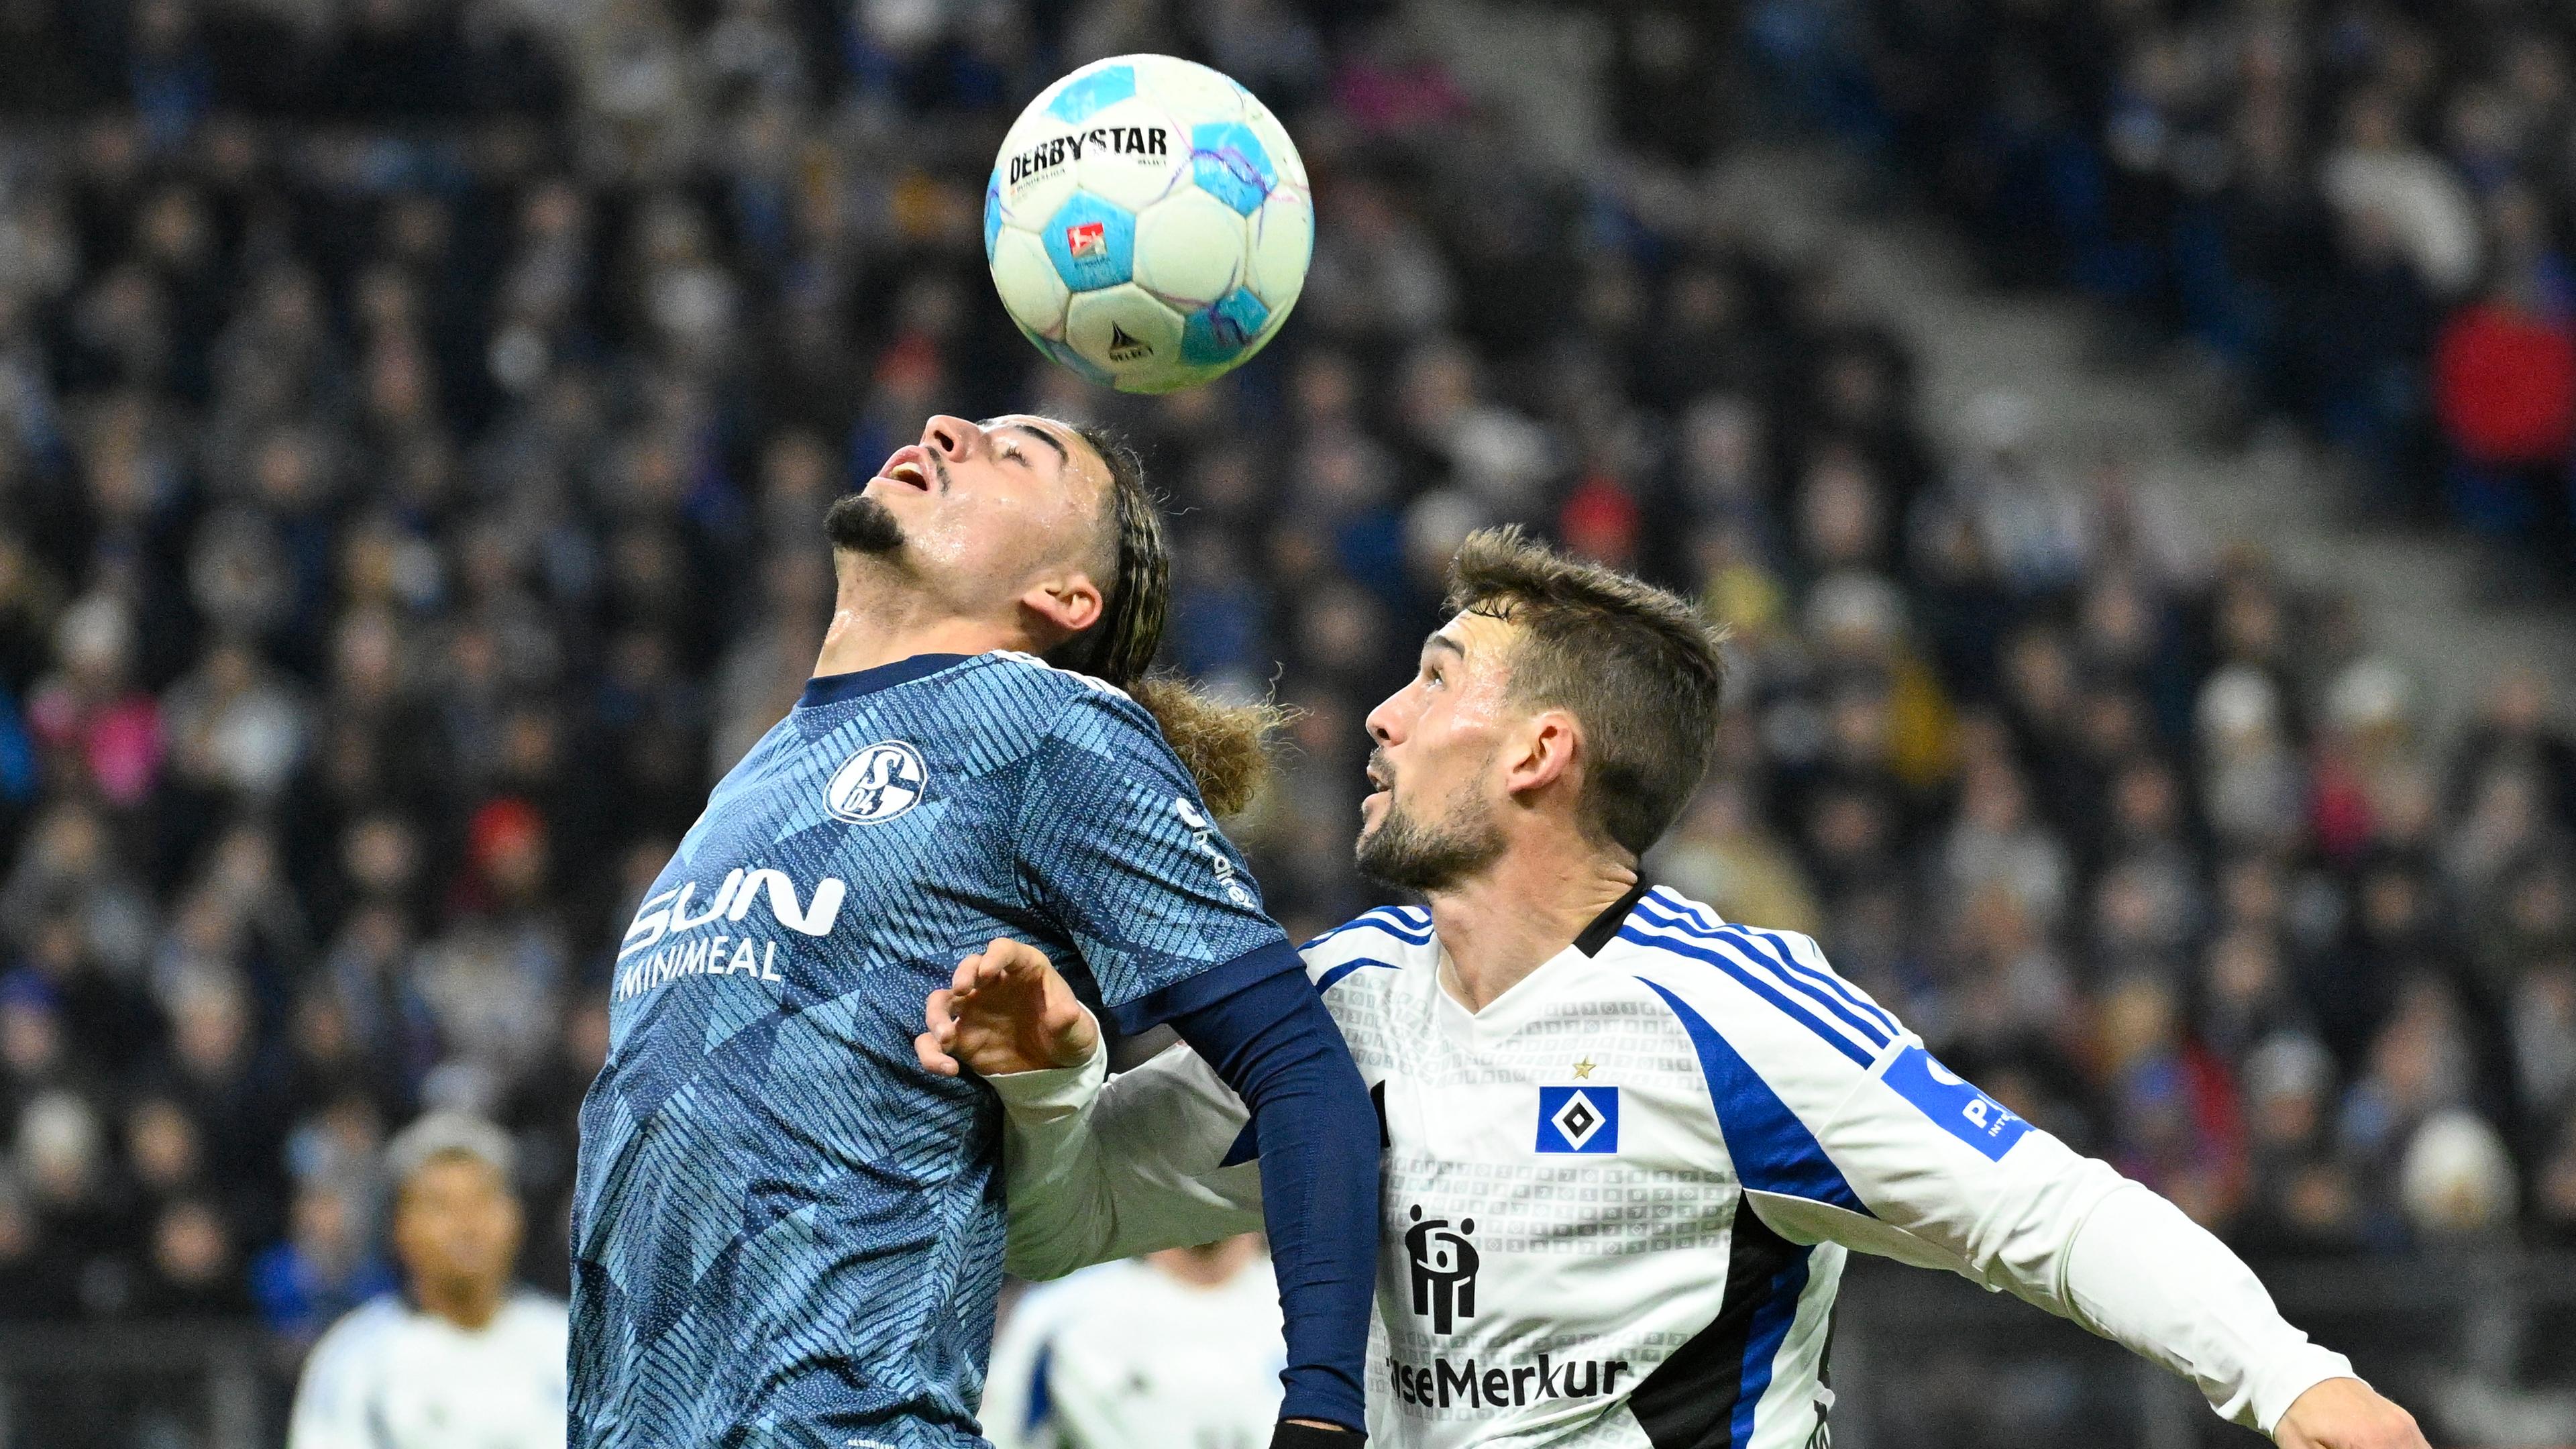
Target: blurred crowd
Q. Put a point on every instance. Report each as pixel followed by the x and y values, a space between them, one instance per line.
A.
pixel 2361 212
pixel 416 418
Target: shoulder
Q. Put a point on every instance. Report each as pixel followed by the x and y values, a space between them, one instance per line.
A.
pixel 1378 929
pixel 1060 704
pixel 1749 980
pixel 1390 938
pixel 358 1339
pixel 537 1314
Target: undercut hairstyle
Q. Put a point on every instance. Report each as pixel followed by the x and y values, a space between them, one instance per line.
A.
pixel 1639 667
pixel 1225 747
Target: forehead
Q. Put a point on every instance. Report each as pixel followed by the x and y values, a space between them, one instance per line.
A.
pixel 1080 459
pixel 451 1172
pixel 1479 638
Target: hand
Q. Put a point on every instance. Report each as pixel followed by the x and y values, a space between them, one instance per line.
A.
pixel 2346 1414
pixel 1007 1010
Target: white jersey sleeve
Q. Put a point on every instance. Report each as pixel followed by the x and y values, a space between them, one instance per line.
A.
pixel 1906 1160
pixel 1095 1170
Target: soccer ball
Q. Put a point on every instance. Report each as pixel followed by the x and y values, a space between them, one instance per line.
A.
pixel 1148 223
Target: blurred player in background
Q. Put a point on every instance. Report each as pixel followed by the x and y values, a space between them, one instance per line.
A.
pixel 1629 1145
pixel 1179 1347
pixel 786 1231
pixel 462 1357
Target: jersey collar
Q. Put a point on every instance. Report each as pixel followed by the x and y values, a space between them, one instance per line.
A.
pixel 825 689
pixel 1605 926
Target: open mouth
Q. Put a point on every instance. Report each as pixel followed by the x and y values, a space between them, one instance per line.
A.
pixel 909 467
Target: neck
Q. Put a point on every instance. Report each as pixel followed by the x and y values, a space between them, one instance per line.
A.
pixel 1518 914
pixel 469 1303
pixel 878 620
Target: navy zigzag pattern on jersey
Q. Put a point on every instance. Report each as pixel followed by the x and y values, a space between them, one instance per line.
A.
pixel 786 1232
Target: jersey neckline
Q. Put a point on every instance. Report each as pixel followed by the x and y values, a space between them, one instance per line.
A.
pixel 825 689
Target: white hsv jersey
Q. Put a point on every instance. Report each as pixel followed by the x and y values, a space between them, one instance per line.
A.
pixel 1618 1200
pixel 1127 1354
pixel 388 1376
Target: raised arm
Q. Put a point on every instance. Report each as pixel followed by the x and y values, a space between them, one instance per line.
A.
pixel 1864 1139
pixel 1123 864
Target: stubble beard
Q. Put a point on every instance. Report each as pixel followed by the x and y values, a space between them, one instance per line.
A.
pixel 1426 856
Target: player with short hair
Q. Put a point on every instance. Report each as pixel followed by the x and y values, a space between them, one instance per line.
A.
pixel 1628 1145
pixel 462 1355
pixel 785 1231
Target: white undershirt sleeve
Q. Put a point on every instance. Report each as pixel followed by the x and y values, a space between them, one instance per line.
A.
pixel 2142 1274
pixel 1098 1169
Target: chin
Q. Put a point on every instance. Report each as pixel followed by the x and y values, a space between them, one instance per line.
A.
pixel 863 523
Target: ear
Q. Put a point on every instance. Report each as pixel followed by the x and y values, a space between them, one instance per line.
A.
pixel 1064 604
pixel 1540 754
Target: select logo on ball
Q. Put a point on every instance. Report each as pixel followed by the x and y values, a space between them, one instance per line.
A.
pixel 877 784
pixel 1124 348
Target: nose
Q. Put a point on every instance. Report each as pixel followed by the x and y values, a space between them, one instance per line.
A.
pixel 1381 721
pixel 953 439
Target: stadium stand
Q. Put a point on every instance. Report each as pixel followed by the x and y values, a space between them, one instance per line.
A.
pixel 416 416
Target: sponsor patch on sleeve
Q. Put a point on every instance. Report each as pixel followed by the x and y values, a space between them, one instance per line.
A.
pixel 1954 1103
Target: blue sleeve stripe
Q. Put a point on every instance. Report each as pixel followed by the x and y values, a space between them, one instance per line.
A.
pixel 1758 986
pixel 1858 1000
pixel 1208 987
pixel 1699 923
pixel 1333 976
pixel 1773 1150
pixel 1395 921
pixel 1741 953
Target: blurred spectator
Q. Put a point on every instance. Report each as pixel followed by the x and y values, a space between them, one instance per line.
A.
pixel 1179 1346
pixel 415 421
pixel 461 1355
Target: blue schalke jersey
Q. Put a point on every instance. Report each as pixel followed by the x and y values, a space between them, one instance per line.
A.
pixel 785 1231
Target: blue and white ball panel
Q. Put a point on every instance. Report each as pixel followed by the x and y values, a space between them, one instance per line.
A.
pixel 1291 168
pixel 1219 334
pixel 1084 93
pixel 1228 162
pixel 1092 242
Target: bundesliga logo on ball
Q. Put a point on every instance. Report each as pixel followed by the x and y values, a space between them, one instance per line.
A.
pixel 1148 223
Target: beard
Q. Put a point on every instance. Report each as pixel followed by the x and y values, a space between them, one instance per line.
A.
pixel 861 524
pixel 1416 854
